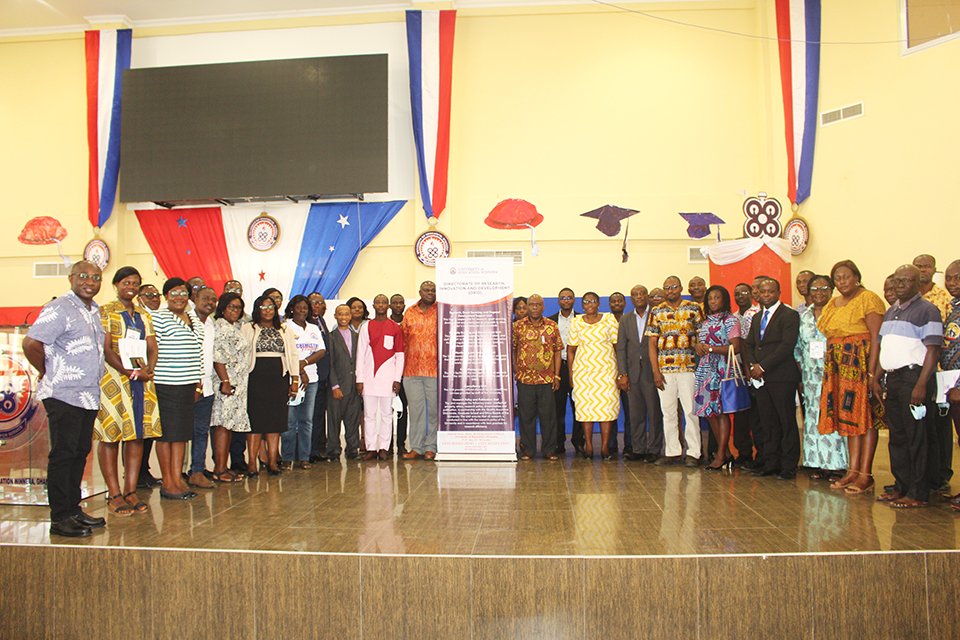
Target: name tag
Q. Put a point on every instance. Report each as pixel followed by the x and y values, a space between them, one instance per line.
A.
pixel 388 342
pixel 817 349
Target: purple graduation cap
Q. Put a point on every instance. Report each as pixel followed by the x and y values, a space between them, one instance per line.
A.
pixel 699 224
pixel 608 222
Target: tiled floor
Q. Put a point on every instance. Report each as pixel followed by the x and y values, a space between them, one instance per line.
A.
pixel 571 507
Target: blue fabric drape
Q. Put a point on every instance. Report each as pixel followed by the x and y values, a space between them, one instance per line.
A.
pixel 334 235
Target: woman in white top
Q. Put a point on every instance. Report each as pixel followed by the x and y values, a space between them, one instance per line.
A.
pixel 295 443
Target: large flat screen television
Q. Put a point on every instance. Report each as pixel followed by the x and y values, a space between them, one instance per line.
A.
pixel 256 131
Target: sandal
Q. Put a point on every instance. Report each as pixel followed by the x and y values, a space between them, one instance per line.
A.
pixel 840 484
pixel 138 506
pixel 855 490
pixel 889 496
pixel 228 476
pixel 820 474
pixel 908 503
pixel 303 464
pixel 124 510
pixel 285 466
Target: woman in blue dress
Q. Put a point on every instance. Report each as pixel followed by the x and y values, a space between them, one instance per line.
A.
pixel 826 454
pixel 719 333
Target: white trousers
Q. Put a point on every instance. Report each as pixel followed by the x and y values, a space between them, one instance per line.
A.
pixel 377 430
pixel 679 386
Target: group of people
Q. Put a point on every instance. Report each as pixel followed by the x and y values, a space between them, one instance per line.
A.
pixel 270 386
pixel 855 365
pixel 184 364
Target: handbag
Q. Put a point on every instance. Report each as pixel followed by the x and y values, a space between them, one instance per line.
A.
pixel 734 395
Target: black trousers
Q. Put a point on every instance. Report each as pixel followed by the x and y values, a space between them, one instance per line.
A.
pixel 942 465
pixel 71 437
pixel 560 396
pixel 778 417
pixel 318 438
pixel 344 411
pixel 145 460
pixel 913 447
pixel 533 401
pixel 646 418
pixel 746 425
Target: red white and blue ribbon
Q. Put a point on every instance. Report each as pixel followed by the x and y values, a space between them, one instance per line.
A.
pixel 798 30
pixel 430 49
pixel 108 54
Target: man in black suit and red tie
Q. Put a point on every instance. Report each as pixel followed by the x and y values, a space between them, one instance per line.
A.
pixel 768 356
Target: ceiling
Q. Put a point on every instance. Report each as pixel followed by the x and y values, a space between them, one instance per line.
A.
pixel 26 16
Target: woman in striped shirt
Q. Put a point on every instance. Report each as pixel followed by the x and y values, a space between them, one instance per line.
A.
pixel 177 378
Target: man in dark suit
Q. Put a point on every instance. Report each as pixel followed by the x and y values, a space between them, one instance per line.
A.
pixel 318 307
pixel 566 298
pixel 343 402
pixel 636 379
pixel 768 356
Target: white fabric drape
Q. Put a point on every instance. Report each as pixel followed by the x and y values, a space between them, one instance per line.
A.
pixel 730 251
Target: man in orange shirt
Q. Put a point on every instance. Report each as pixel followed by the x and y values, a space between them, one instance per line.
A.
pixel 420 373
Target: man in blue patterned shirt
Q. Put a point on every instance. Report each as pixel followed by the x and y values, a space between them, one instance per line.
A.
pixel 65 346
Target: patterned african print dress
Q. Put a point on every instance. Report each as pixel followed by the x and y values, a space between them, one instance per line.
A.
pixel 845 405
pixel 128 408
pixel 593 374
pixel 820 451
pixel 715 331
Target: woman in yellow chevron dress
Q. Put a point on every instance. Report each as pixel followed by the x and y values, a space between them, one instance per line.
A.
pixel 593 372
pixel 128 400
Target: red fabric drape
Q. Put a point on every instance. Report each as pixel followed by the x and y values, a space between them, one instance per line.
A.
pixel 188 243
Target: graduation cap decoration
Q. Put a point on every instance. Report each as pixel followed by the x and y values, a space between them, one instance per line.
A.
pixel 698 224
pixel 608 222
pixel 516 213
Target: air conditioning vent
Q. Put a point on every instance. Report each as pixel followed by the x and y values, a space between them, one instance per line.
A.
pixel 50 270
pixel 514 254
pixel 695 257
pixel 843 113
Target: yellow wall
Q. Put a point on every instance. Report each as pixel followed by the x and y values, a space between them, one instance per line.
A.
pixel 574 107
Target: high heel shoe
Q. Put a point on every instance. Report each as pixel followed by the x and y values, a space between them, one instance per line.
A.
pixel 728 463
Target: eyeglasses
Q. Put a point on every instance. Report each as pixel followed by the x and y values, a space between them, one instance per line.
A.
pixel 264 307
pixel 178 294
pixel 197 286
pixel 591 301
pixel 237 307
pixel 150 296
pixel 233 291
pixel 83 277
pixel 815 289
pixel 566 297
pixel 671 287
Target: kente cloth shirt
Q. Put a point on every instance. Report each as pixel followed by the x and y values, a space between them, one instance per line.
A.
pixel 941 299
pixel 676 334
pixel 534 346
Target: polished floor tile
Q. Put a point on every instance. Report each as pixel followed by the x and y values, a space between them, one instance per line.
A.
pixel 572 507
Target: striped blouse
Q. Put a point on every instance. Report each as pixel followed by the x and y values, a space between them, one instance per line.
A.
pixel 180 356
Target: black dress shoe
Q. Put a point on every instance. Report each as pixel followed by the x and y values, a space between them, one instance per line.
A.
pixel 147 482
pixel 352 454
pixel 315 459
pixel 668 460
pixel 580 450
pixel 755 465
pixel 787 474
pixel 692 462
pixel 274 472
pixel 633 457
pixel 651 458
pixel 765 472
pixel 70 528
pixel 176 496
pixel 89 521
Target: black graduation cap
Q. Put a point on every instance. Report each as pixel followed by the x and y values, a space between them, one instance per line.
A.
pixel 609 217
pixel 608 222
pixel 699 223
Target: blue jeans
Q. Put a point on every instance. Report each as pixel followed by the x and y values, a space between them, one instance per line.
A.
pixel 295 442
pixel 202 411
